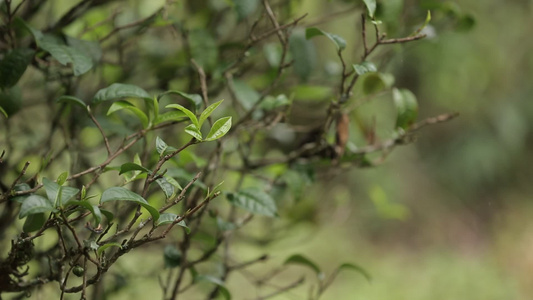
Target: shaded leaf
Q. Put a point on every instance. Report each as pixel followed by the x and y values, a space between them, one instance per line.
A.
pixel 194 99
pixel 34 204
pixel 71 99
pixel 102 248
pixel 171 256
pixel 174 115
pixel 255 201
pixel 129 166
pixel 302 260
pixel 245 94
pixel 271 103
pixel 59 195
pixel 219 129
pixel 204 48
pixel 222 287
pixel 339 42
pixel 244 8
pixel 13 66
pixel 371 7
pixel 407 107
pixel 119 91
pixel 34 222
pixel 167 218
pixel 364 67
pixel 122 194
pixel 348 266
pixel 167 188
pixel 64 54
pixel 119 105
pixel 160 145
pixel 94 209
pixel 303 53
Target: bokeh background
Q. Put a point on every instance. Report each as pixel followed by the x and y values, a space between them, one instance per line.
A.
pixel 446 217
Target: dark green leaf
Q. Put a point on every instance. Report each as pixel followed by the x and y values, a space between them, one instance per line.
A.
pixel 58 195
pixel 339 42
pixel 222 287
pixel 3 112
pixel 129 166
pixel 174 115
pixel 348 266
pixel 102 248
pixel 219 129
pixel 303 53
pixel 34 204
pixel 364 67
pixel 119 91
pixel 207 112
pixel 13 66
pixel 107 214
pixel 122 194
pixel 254 200
pixel 371 7
pixel 172 256
pixel 167 188
pixel 302 260
pixel 94 209
pixel 406 106
pixel 72 99
pixel 10 101
pixel 56 46
pixel 245 7
pixel 34 222
pixel 119 105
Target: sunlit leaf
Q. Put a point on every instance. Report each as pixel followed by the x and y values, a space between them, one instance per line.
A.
pixel 371 7
pixel 194 131
pixel 207 112
pixel 219 129
pixel 189 113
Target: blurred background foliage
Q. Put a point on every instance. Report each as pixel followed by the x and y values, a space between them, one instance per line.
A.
pixel 447 217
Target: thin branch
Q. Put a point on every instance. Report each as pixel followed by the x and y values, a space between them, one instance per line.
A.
pixel 283 289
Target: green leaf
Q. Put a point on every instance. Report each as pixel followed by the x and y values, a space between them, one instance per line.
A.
pixel 167 218
pixel 221 286
pixel 406 106
pixel 207 112
pixel 194 99
pixel 62 178
pixel 174 115
pixel 160 145
pixel 273 53
pixel 107 214
pixel 102 248
pixel 72 99
pixel 189 113
pixel 304 54
pixel 244 8
pixel 224 225
pixel 173 182
pixel 245 94
pixel 364 67
pixel 376 82
pixel 271 103
pixel 13 66
pixel 255 201
pixel 172 256
pixel 34 204
pixel 120 91
pixel 302 260
pixel 59 195
pixel 129 166
pixel 348 266
pixel 122 194
pixel 203 48
pixel 167 188
pixel 94 209
pixel 34 222
pixel 89 48
pixel 371 7
pixel 64 54
pixel 194 131
pixel 219 129
pixel 339 42
pixel 3 112
pixel 119 105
